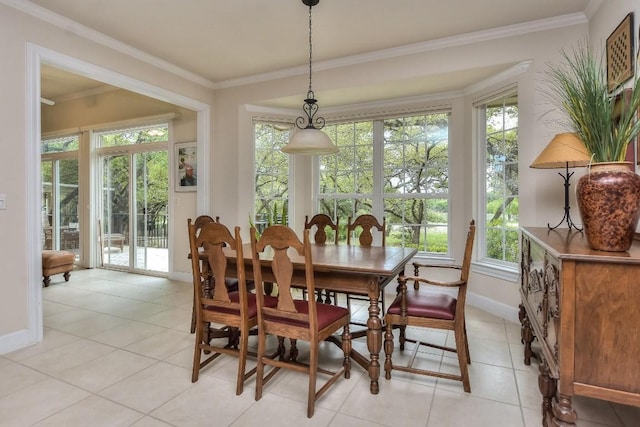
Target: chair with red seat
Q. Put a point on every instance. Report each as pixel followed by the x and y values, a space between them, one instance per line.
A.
pixel 296 319
pixel 233 313
pixel 418 307
pixel 321 222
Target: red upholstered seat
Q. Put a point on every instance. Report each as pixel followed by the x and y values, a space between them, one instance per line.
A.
pixel 327 314
pixel 426 304
pixel 252 309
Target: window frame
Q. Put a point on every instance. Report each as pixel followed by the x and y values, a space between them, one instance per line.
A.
pixel 378 195
pixel 483 263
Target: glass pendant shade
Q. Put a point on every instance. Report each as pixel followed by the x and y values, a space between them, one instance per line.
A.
pixel 310 141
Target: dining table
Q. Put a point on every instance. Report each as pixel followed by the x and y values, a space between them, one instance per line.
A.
pixel 349 269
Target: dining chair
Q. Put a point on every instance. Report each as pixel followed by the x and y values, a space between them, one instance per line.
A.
pixel 296 319
pixel 233 313
pixel 362 227
pixel 418 307
pixel 230 282
pixel 322 222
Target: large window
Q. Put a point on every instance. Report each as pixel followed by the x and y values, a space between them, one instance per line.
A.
pixel 272 174
pixel 397 168
pixel 499 198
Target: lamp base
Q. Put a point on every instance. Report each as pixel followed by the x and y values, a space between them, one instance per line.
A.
pixel 567 208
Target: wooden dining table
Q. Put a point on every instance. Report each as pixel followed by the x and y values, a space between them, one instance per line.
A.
pixel 352 269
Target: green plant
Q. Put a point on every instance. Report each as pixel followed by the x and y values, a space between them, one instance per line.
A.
pixel 606 123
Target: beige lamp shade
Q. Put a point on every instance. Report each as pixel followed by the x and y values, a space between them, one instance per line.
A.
pixel 310 141
pixel 564 150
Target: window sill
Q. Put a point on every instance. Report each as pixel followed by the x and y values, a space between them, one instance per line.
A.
pixel 504 272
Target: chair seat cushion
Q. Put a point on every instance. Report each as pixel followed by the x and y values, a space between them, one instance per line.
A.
pixel 327 314
pixel 430 305
pixel 269 301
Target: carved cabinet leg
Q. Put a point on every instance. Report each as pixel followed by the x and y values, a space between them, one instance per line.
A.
pixel 526 335
pixel 563 413
pixel 548 387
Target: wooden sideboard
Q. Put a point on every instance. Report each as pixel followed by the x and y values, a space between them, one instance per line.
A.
pixel 584 308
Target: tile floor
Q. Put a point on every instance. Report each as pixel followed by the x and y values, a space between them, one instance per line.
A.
pixel 117 352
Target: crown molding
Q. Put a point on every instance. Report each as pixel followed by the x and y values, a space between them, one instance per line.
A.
pixel 416 48
pixel 410 49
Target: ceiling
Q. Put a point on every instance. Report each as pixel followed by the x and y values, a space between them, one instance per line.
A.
pixel 226 40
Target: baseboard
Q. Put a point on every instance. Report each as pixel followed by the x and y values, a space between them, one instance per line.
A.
pixel 15 341
pixel 181 277
pixel 494 307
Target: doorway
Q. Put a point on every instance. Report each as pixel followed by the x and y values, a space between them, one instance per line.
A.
pixel 134 198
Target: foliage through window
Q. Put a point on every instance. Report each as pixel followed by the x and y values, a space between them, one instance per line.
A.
pixel 272 174
pixel 500 118
pixel 397 166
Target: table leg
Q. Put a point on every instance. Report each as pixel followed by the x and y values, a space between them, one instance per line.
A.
pixel 374 335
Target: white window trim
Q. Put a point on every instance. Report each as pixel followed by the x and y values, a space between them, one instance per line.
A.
pixel 482 264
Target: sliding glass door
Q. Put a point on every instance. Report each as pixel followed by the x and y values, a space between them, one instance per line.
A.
pixel 60 191
pixel 135 193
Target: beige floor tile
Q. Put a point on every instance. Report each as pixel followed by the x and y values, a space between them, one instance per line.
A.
pixel 530 396
pixel 128 333
pixel 342 420
pixel 60 293
pixel 50 308
pixel 16 377
pixel 277 411
pixel 193 407
pixel 487 381
pixel 596 411
pixel 490 352
pixel 138 310
pixel 105 371
pixel 38 401
pixel 407 398
pixel 162 345
pixel 175 318
pixel 94 411
pixel 532 417
pixel 68 356
pixel 91 325
pixel 150 388
pixel 463 410
pixel 150 422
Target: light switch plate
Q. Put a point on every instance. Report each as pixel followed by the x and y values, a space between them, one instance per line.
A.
pixel 3 203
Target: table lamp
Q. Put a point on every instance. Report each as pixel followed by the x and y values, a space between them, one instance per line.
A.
pixel 566 150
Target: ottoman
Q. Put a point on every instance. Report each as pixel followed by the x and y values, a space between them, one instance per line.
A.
pixel 56 262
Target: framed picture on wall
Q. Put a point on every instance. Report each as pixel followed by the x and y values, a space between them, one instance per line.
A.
pixel 186 166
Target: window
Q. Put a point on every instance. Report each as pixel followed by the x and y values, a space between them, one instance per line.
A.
pixel 397 168
pixel 272 174
pixel 498 119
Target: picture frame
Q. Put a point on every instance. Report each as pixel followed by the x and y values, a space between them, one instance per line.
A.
pixel 186 166
pixel 620 53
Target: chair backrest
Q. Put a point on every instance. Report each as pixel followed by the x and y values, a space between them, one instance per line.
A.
pixel 282 243
pixel 468 248
pixel 366 222
pixel 209 245
pixel 321 222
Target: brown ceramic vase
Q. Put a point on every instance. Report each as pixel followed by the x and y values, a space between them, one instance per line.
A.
pixel 609 202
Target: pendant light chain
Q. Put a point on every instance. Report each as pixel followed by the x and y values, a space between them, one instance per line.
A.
pixel 310 54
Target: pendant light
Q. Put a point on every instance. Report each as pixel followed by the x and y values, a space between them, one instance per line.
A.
pixel 310 139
